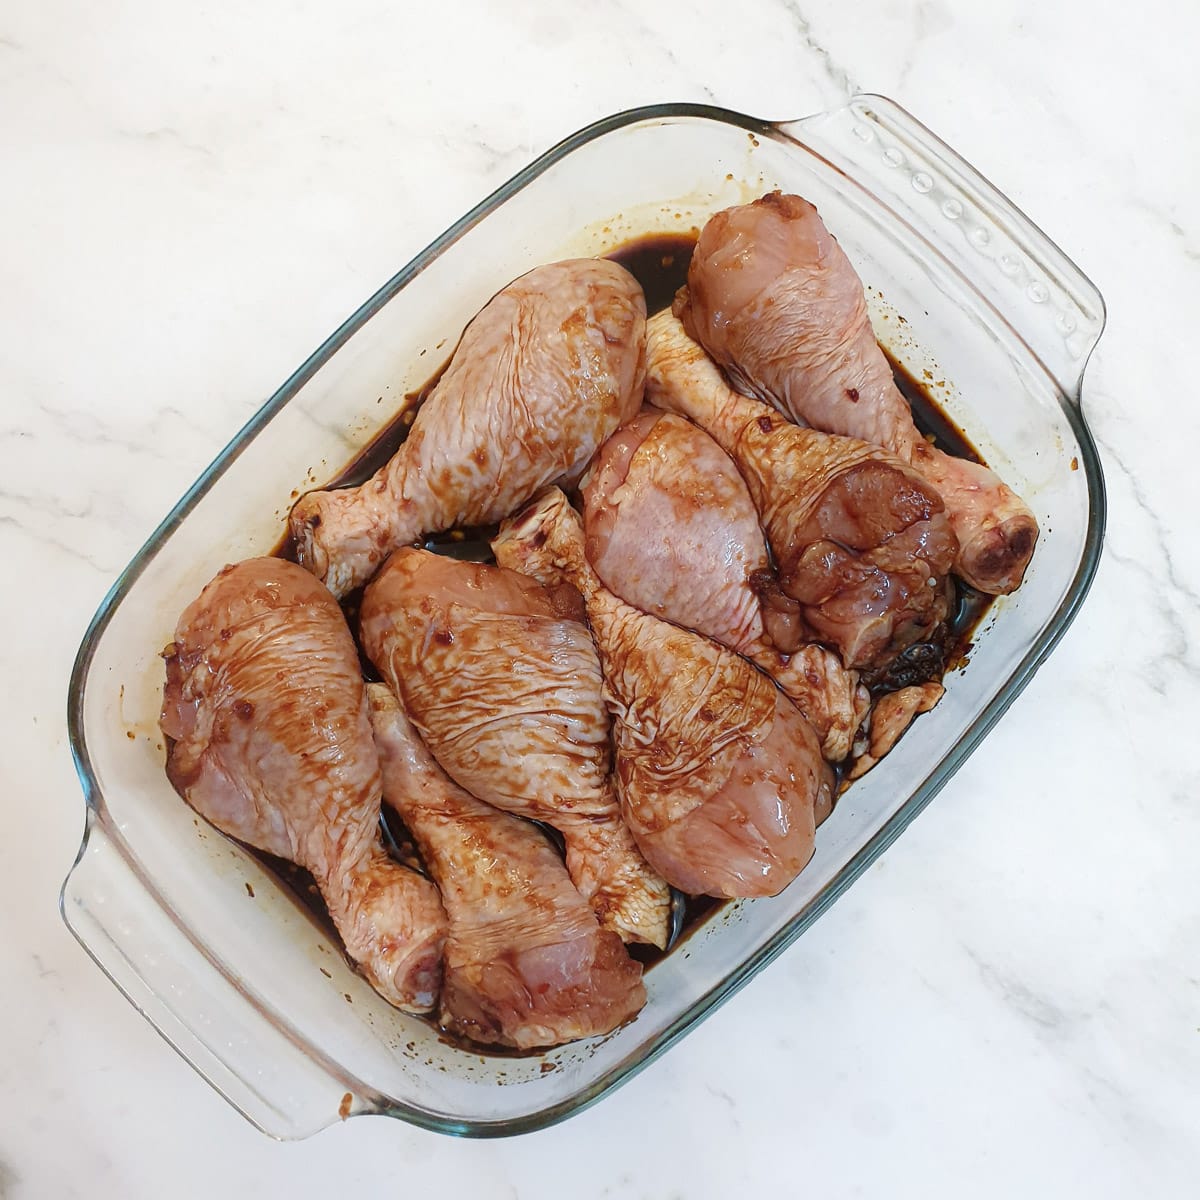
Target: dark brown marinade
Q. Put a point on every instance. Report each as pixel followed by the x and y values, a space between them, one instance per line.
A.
pixel 659 262
pixel 928 415
pixel 300 883
pixel 380 450
pixel 691 912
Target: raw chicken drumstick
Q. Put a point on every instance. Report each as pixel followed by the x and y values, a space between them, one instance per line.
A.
pixel 545 372
pixel 526 963
pixel 776 302
pixel 861 542
pixel 272 743
pixel 719 774
pixel 672 530
pixel 501 678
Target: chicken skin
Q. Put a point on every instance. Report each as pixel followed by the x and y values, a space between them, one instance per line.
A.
pixel 775 301
pixel 719 774
pixel 272 743
pixel 861 542
pixel 544 373
pixel 672 530
pixel 526 963
pixel 502 680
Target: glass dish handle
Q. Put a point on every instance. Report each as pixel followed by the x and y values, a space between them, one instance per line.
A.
pixel 168 979
pixel 1030 282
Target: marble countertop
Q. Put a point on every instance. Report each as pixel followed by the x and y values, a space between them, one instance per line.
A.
pixel 1008 1002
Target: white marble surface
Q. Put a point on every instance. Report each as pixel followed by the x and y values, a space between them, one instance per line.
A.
pixel 194 195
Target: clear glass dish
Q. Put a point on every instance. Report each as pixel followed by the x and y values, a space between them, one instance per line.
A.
pixel 220 958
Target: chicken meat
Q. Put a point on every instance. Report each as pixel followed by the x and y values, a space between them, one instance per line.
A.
pixel 271 742
pixel 544 373
pixel 776 302
pixel 719 774
pixel 501 678
pixel 861 542
pixel 672 530
pixel 526 963
pixel 890 717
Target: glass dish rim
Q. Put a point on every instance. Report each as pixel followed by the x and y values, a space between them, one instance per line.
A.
pixel 96 809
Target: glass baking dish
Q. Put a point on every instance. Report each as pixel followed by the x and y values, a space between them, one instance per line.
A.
pixel 202 939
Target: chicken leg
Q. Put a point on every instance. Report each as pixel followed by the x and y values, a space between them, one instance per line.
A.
pixel 545 372
pixel 272 744
pixel 719 774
